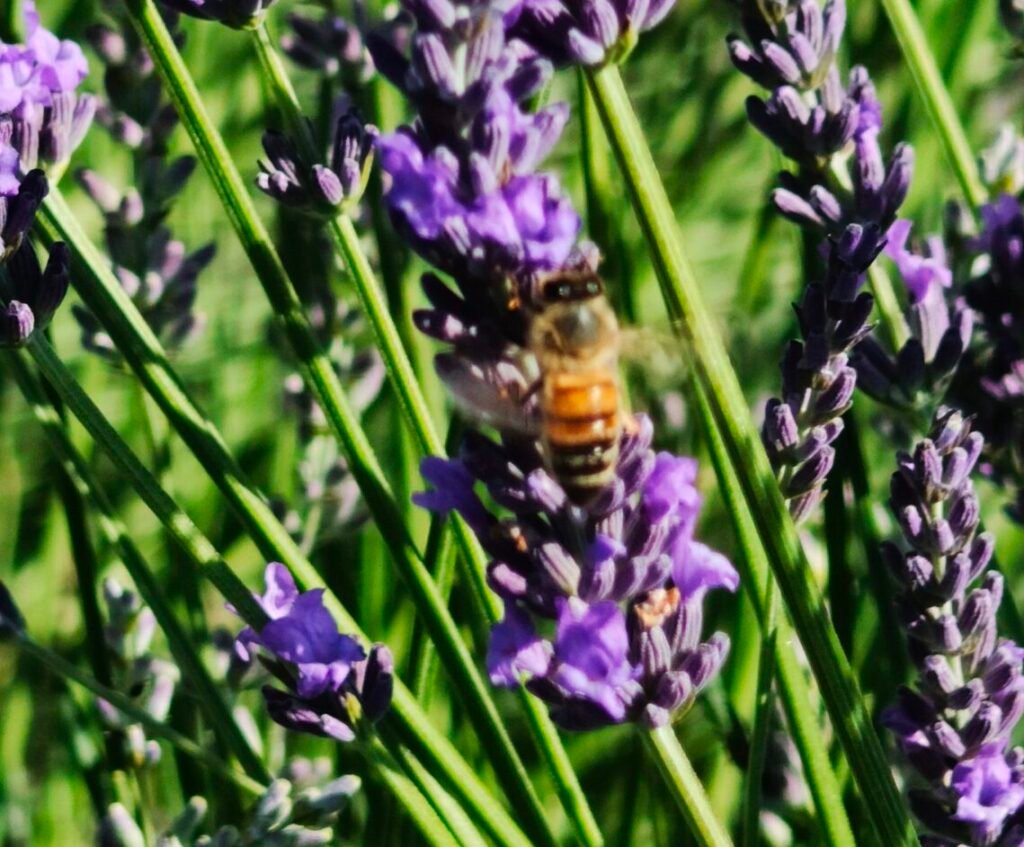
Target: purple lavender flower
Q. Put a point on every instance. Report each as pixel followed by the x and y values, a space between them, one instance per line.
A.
pixel 42 113
pixel 156 270
pixel 330 45
pixel 333 686
pixel 29 295
pixel 920 272
pixel 20 199
pixel 594 622
pixel 954 725
pixel 516 650
pixel 586 32
pixel 989 789
pixel 36 292
pixel 315 188
pixel 817 379
pixel 990 381
pixel 812 118
pixel 238 14
pixel 627 607
pixel 940 332
pixel 461 184
pixel 790 49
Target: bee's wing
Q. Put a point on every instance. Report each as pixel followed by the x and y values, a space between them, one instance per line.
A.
pixel 499 393
pixel 655 353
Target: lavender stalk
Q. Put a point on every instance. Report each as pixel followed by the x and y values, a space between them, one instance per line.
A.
pixel 954 725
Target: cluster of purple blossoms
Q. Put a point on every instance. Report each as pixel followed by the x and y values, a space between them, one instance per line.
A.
pixel 329 45
pixel 237 14
pixel 817 379
pixel 42 118
pixel 814 120
pixel 332 687
pixel 991 380
pixel 462 186
pixel 32 293
pixel 940 332
pixel 954 726
pixel 587 32
pixel 43 115
pixel 617 590
pixel 155 269
pixel 320 189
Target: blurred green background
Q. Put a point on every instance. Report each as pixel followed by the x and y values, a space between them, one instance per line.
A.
pixel 718 171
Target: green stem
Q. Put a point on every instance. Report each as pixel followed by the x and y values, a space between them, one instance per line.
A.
pixel 119 701
pixel 760 586
pixel 730 415
pixel 207 692
pixel 419 809
pixel 937 101
pixel 416 411
pixel 440 558
pixel 83 554
pixel 141 350
pixel 764 717
pixel 455 817
pixel 686 788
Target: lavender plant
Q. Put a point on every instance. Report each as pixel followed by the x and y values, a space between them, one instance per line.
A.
pixel 44 115
pixel 148 679
pixel 842 188
pixel 990 383
pixel 332 686
pixel 592 553
pixel 155 269
pixel 294 811
pixel 954 726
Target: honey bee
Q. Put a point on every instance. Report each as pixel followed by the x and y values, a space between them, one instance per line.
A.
pixel 574 335
pixel 566 391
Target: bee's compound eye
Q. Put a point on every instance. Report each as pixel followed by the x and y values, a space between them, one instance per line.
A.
pixel 564 291
pixel 593 288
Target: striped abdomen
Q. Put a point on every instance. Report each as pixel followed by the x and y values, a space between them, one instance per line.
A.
pixel 581 431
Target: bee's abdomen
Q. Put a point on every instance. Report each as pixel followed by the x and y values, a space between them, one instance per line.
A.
pixel 581 431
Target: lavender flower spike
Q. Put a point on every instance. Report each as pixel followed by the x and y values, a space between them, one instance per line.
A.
pixel 41 113
pixel 461 184
pixel 237 14
pixel 627 609
pixel 817 379
pixel 940 333
pixel 587 32
pixel 953 727
pixel 333 688
pixel 990 382
pixel 314 188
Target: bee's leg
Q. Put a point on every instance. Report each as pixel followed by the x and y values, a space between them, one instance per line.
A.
pixel 531 389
